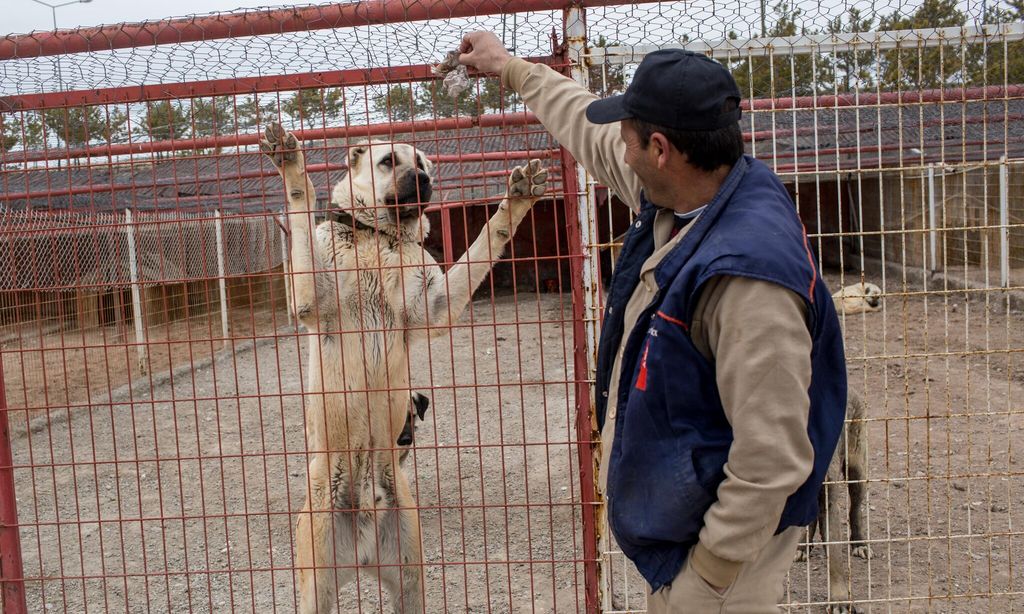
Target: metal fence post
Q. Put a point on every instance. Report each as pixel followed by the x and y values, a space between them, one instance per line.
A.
pixel 218 225
pixel 12 584
pixel 285 264
pixel 932 238
pixel 1004 224
pixel 133 269
pixel 579 201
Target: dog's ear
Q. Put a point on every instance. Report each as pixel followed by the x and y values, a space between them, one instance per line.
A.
pixel 355 154
pixel 428 164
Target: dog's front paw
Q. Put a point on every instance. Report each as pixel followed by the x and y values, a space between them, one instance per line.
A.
pixel 280 146
pixel 862 552
pixel 525 185
pixel 802 554
pixel 528 181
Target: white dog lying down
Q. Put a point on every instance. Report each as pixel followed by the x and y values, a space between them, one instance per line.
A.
pixel 861 297
pixel 365 289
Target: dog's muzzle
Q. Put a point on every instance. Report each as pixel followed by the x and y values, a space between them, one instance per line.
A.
pixel 413 191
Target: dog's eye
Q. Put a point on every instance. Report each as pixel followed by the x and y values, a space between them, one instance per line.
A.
pixel 388 161
pixel 419 163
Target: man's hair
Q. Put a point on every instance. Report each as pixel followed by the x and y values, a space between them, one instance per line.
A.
pixel 707 150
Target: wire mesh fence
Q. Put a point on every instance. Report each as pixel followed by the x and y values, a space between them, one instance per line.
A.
pixel 155 451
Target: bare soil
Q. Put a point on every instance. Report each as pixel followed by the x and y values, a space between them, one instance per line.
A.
pixel 942 373
pixel 178 498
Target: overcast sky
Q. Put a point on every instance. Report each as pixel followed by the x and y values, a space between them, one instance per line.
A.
pixel 20 16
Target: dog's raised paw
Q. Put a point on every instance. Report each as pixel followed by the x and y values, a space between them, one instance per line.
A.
pixel 528 181
pixel 801 555
pixel 279 145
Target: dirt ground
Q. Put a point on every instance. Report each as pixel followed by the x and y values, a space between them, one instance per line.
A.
pixel 177 499
pixel 942 373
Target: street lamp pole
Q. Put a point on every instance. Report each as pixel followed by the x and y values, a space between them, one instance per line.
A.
pixel 53 7
pixel 53 11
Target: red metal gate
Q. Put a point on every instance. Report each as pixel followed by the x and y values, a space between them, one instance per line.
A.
pixel 145 259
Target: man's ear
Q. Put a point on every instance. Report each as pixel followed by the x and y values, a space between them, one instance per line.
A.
pixel 355 154
pixel 662 148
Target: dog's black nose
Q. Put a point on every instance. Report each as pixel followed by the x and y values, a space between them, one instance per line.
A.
pixel 422 179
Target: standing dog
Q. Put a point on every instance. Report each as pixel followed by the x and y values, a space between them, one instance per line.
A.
pixel 848 465
pixel 365 289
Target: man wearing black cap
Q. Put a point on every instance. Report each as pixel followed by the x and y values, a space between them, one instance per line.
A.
pixel 721 380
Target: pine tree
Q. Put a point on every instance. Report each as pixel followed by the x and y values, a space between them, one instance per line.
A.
pixel 923 68
pixel 853 68
pixel 9 134
pixel 997 62
pixel 79 126
pixel 32 136
pixel 314 106
pixel 782 74
pixel 213 116
pixel 486 95
pixel 166 120
pixel 399 103
pixel 251 112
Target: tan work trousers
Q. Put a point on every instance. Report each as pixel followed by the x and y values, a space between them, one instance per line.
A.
pixel 757 589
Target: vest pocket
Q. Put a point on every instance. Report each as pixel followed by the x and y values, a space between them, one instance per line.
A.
pixel 658 499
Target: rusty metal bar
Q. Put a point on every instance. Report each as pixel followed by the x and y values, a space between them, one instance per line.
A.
pixel 581 208
pixel 12 585
pixel 225 87
pixel 253 138
pixel 265 22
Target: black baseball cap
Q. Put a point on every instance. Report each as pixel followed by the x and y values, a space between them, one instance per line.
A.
pixel 676 89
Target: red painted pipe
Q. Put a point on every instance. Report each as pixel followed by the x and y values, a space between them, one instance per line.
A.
pixel 965 94
pixel 215 87
pixel 257 23
pixel 12 584
pixel 253 138
pixel 996 92
pixel 497 156
pixel 227 87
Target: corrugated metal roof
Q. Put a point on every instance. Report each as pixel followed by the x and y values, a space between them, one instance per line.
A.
pixel 801 140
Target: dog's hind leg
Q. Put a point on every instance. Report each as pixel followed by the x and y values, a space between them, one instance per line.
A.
pixel 401 561
pixel 314 550
pixel 856 470
pixel 838 562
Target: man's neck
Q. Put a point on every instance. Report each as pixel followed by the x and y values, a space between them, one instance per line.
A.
pixel 696 188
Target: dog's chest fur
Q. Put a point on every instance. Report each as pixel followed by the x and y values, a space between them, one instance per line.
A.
pixel 382 264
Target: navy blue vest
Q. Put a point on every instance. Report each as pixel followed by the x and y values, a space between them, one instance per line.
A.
pixel 671 435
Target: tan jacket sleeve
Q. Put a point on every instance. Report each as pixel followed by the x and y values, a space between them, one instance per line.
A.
pixel 560 103
pixel 756 333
